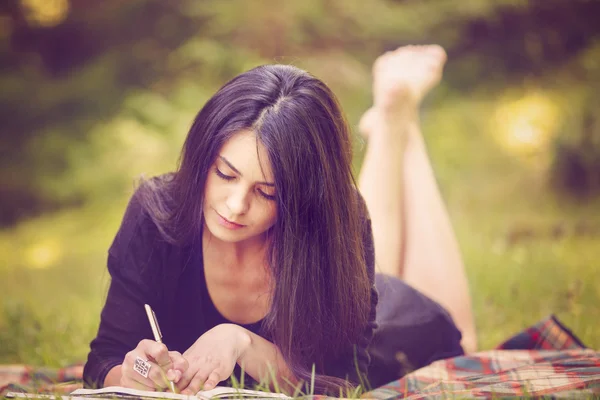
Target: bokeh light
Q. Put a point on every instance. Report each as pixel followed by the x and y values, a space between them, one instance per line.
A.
pixel 526 125
pixel 43 254
pixel 46 12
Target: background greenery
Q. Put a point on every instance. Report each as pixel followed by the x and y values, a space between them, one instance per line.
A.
pixel 96 93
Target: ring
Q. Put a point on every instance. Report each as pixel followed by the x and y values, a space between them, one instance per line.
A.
pixel 141 366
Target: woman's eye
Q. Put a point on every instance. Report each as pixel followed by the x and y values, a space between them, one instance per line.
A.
pixel 265 195
pixel 223 176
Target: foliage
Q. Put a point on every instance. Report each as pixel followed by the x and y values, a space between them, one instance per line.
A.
pixel 66 66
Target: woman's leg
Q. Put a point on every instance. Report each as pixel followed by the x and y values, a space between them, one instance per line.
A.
pixel 414 239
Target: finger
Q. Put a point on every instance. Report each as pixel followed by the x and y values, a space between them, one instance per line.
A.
pixel 178 361
pixel 132 377
pixel 187 376
pixel 198 366
pixel 159 354
pixel 158 376
pixel 174 375
pixel 179 366
pixel 213 380
pixel 195 384
pixel 200 375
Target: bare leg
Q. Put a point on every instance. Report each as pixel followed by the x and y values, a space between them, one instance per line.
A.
pixel 414 239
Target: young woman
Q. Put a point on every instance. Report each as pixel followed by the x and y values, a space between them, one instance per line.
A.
pixel 257 253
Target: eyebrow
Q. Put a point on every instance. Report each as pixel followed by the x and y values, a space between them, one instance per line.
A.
pixel 240 174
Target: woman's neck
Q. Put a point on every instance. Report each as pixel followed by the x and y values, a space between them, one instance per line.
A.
pixel 237 278
pixel 236 255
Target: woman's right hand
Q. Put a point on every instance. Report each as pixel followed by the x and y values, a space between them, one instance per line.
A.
pixel 165 365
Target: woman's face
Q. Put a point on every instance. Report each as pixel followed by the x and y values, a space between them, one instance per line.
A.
pixel 239 196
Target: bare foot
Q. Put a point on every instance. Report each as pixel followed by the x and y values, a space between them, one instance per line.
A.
pixel 401 79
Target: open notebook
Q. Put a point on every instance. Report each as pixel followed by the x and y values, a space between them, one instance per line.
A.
pixel 117 392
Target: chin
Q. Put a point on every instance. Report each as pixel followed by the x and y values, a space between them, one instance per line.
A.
pixel 223 234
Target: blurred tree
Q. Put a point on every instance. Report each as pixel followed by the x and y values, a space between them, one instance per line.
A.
pixel 68 64
pixel 576 164
pixel 525 41
pixel 60 79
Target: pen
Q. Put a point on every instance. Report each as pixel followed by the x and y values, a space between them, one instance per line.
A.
pixel 157 333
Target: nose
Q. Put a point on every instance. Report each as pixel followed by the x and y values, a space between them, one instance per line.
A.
pixel 237 202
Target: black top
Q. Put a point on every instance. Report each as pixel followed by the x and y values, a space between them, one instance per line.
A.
pixel 144 268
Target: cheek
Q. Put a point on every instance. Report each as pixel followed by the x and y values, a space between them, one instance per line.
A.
pixel 207 193
pixel 273 215
pixel 212 188
pixel 269 215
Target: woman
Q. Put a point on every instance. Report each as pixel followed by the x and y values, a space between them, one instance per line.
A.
pixel 257 252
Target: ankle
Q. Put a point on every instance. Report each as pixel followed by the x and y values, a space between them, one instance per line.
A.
pixel 387 123
pixel 405 114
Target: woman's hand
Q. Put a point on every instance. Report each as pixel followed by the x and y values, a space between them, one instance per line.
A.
pixel 165 365
pixel 213 357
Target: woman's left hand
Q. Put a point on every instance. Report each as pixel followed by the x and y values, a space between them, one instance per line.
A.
pixel 212 357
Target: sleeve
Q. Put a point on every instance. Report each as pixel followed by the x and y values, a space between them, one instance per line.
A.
pixel 133 264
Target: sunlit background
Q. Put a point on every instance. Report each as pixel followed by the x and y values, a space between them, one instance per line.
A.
pixel 95 94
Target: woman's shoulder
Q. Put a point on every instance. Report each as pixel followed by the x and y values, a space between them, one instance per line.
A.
pixel 140 225
pixel 363 211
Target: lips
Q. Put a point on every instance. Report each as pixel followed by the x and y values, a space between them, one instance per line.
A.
pixel 227 223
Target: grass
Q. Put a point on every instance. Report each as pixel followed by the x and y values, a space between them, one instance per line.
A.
pixel 53 284
pixel 528 251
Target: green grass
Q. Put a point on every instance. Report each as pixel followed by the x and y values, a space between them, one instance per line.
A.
pixel 50 312
pixel 528 251
pixel 529 260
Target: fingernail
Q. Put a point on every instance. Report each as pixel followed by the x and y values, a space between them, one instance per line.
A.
pixel 177 377
pixel 171 375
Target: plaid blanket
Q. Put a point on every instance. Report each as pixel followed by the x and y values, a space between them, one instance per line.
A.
pixel 543 360
pixel 501 374
pixel 553 362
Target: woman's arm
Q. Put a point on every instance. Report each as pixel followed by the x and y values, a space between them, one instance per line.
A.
pixel 263 361
pixel 134 264
pixel 214 355
pixel 113 378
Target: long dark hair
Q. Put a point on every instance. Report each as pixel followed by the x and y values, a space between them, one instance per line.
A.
pixel 321 294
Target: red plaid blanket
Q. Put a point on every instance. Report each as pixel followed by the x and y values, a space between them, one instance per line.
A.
pixel 543 360
pixel 501 374
pixel 552 362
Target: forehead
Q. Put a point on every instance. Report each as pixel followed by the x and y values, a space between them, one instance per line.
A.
pixel 245 138
pixel 247 154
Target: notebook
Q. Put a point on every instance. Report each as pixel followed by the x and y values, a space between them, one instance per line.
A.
pixel 117 392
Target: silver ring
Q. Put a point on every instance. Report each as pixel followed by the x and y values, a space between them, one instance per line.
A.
pixel 141 366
